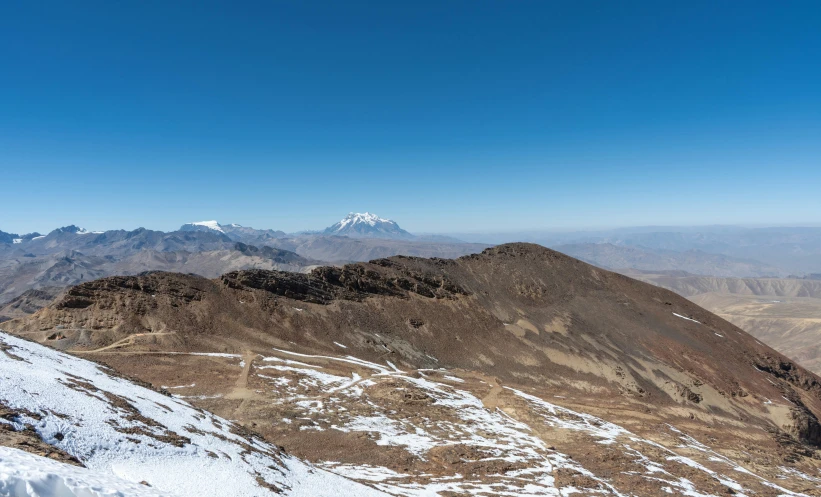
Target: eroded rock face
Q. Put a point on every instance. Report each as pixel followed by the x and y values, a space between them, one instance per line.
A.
pixel 805 426
pixel 787 370
pixel 290 285
pixel 102 291
pixel 355 282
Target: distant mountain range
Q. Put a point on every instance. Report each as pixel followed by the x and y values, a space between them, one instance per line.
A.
pixel 70 255
pixel 354 225
pixel 15 238
pixel 792 250
pixel 617 257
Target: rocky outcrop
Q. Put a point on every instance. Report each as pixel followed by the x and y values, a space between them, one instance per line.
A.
pixel 104 292
pixel 352 282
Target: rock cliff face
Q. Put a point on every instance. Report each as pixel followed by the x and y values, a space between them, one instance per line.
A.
pixel 353 282
pixel 517 315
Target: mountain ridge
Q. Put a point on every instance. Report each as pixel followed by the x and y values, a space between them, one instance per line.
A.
pixel 533 322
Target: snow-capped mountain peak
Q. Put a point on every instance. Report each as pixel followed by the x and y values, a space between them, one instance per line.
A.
pixel 367 217
pixel 367 225
pixel 202 226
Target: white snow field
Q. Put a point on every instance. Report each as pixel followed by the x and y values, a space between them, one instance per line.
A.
pixel 126 434
pixel 24 475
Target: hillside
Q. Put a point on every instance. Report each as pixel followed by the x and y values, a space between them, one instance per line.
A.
pixel 516 371
pixel 783 313
pixel 131 439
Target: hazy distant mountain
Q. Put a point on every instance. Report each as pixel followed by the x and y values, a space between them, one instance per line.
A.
pixel 367 225
pixel 236 232
pixel 71 267
pixel 14 238
pixel 8 237
pixel 794 250
pixel 117 242
pixel 75 230
pixel 436 238
pixel 618 257
pixel 347 249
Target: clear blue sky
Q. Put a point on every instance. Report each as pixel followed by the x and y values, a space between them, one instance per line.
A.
pixel 446 116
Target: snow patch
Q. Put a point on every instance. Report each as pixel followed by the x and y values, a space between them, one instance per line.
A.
pixel 685 317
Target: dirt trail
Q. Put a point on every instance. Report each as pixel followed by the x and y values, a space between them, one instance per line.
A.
pixel 240 390
pixel 491 400
pixel 129 340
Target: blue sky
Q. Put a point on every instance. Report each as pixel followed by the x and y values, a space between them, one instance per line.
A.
pixel 447 116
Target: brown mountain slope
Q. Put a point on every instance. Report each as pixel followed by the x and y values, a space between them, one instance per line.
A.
pixel 517 320
pixel 784 313
pixel 29 302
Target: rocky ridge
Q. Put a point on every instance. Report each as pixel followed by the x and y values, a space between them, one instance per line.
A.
pixel 516 316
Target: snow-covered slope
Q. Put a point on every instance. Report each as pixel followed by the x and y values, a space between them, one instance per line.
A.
pixel 367 225
pixel 28 475
pixel 123 432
